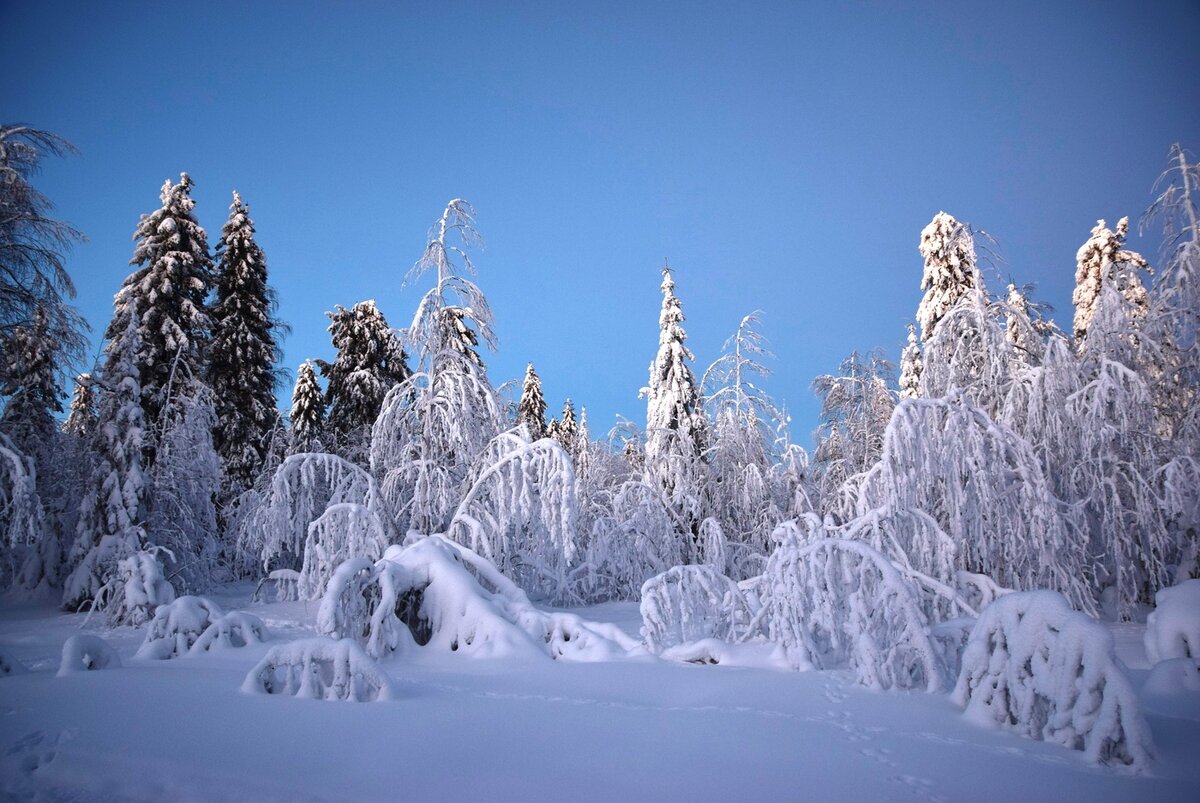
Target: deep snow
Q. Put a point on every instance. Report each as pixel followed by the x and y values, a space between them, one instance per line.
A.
pixel 467 729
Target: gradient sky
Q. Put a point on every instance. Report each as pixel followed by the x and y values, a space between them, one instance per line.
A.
pixel 783 157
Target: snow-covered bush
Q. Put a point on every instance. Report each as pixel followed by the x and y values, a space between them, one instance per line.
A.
pixel 21 519
pixel 9 665
pixel 284 584
pixel 86 653
pixel 1173 628
pixel 1035 666
pixel 835 602
pixel 192 625
pixel 138 589
pixel 1173 689
pixel 443 596
pixel 344 530
pixel 690 603
pixel 319 669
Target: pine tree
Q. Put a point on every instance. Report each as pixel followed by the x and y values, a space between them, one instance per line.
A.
pixel 370 361
pixel 244 351
pixel 1102 261
pixel 910 367
pixel 950 270
pixel 167 293
pixel 81 420
pixel 112 513
pixel 531 411
pixel 308 411
pixel 672 398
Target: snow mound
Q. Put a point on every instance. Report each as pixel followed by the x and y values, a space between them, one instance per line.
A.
pixel 835 602
pixel 84 653
pixel 1173 628
pixel 714 652
pixel 1173 689
pixel 319 669
pixel 441 595
pixel 192 625
pixel 1035 666
pixel 9 665
pixel 690 603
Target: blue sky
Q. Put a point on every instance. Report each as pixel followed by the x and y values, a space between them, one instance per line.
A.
pixel 783 157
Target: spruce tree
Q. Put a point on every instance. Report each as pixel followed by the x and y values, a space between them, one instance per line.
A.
pixel 531 411
pixel 31 368
pixel 1102 262
pixel 370 361
pixel 81 420
pixel 167 295
pixel 950 271
pixel 307 415
pixel 568 429
pixel 672 397
pixel 910 367
pixel 243 354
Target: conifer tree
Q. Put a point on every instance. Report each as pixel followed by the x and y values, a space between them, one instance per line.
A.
pixel 370 361
pixel 910 367
pixel 34 397
pixel 81 420
pixel 531 411
pixel 244 351
pixel 307 415
pixel 568 429
pixel 672 398
pixel 112 513
pixel 950 270
pixel 167 295
pixel 1103 261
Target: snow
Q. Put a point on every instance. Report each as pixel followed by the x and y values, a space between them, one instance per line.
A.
pixel 491 730
pixel 1173 628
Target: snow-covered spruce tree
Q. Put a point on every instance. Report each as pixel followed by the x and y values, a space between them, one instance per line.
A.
pixel 676 426
pixel 34 285
pixel 370 362
pixel 22 523
pixel 950 269
pixel 307 415
pixel 567 431
pixel 740 491
pixel 244 351
pixel 81 419
pixel 911 363
pixel 434 424
pixel 32 390
pixel 531 411
pixel 112 513
pixel 1024 325
pixel 1102 261
pixel 984 486
pixel 184 481
pixel 856 405
pixel 167 295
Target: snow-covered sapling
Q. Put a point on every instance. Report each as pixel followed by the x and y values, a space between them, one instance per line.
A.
pixel 87 653
pixel 1173 628
pixel 319 669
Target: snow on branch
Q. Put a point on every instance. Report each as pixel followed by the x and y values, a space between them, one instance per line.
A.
pixel 319 669
pixel 690 603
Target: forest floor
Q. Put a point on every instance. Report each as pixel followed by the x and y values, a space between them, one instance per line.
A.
pixel 468 729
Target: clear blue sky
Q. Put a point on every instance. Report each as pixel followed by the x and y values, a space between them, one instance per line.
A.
pixel 783 157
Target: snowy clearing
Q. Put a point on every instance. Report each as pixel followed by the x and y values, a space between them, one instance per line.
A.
pixel 462 728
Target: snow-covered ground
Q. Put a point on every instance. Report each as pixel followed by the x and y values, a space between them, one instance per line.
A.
pixel 466 729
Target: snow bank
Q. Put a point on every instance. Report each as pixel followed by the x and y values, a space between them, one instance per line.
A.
pixel 1173 689
pixel 84 653
pixel 9 665
pixel 192 625
pixel 714 652
pixel 319 669
pixel 1035 666
pixel 1173 628
pixel 440 595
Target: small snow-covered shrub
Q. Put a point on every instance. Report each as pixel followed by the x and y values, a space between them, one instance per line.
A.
pixel 319 669
pixel 443 596
pixel 138 589
pixel 836 602
pixel 85 653
pixel 9 665
pixel 1173 628
pixel 1035 666
pixel 234 629
pixel 689 603
pixel 176 627
pixel 284 583
pixel 192 625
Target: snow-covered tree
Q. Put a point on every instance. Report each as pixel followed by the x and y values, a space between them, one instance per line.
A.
pixel 112 513
pixel 34 285
pixel 948 248
pixel 307 415
pixel 1103 261
pixel 370 362
pixel 567 431
pixel 673 403
pixel 244 351
pixel 166 293
pixel 81 419
pixel 531 411
pixel 31 387
pixel 911 363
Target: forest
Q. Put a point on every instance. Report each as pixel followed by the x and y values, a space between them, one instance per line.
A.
pixel 973 518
